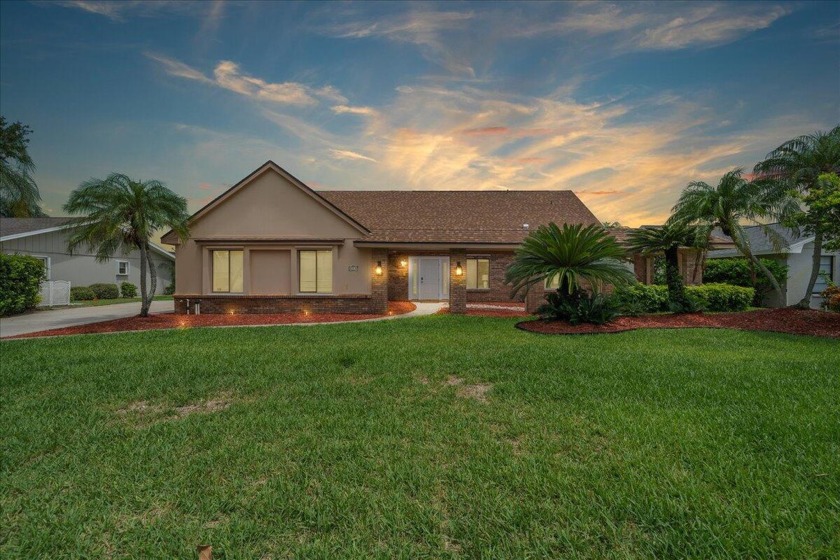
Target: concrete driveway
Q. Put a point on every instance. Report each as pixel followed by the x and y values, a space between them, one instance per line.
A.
pixel 74 316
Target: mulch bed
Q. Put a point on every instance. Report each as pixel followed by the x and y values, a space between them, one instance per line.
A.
pixel 791 321
pixel 172 321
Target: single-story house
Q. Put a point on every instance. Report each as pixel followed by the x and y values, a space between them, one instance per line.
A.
pixel 272 244
pixel 796 251
pixel 46 239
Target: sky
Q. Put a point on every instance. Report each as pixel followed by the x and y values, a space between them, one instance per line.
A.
pixel 624 103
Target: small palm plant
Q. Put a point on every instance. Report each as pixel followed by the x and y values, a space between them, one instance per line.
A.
pixel 668 239
pixel 573 256
pixel 119 214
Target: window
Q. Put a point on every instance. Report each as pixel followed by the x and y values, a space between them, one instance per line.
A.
pixel 826 274
pixel 478 274
pixel 227 271
pixel 122 268
pixel 315 270
pixel 46 261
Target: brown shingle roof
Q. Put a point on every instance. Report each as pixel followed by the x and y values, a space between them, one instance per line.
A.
pixel 458 216
pixel 16 226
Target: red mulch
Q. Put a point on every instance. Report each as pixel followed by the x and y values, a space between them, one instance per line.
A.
pixel 791 321
pixel 172 321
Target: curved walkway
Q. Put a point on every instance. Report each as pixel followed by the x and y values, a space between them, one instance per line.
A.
pixel 48 319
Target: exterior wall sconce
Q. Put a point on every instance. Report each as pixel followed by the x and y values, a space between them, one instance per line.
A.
pixel 403 263
pixel 458 270
pixel 378 268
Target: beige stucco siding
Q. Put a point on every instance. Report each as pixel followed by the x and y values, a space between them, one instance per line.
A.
pixel 81 268
pixel 271 219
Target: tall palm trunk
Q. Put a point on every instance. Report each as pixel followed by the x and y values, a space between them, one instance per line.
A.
pixel 152 275
pixel 145 303
pixel 744 248
pixel 805 302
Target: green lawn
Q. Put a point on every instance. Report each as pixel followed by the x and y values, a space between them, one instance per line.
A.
pixel 371 440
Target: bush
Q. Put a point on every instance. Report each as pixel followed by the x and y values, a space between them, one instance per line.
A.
pixel 127 289
pixel 81 293
pixel 831 298
pixel 105 291
pixel 638 299
pixel 579 307
pixel 720 297
pixel 736 271
pixel 20 283
pixel 169 290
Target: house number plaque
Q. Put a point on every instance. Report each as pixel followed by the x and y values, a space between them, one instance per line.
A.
pixel 353 268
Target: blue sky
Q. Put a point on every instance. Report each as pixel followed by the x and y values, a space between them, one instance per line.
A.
pixel 624 103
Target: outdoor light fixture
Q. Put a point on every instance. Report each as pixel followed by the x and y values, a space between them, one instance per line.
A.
pixel 378 268
pixel 458 270
pixel 403 263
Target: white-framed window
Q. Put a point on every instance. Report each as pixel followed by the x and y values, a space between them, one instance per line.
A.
pixel 228 271
pixel 315 272
pixel 826 274
pixel 123 268
pixel 478 274
pixel 46 261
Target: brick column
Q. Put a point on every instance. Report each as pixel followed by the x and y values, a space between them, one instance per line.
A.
pixel 535 297
pixel 457 284
pixel 379 284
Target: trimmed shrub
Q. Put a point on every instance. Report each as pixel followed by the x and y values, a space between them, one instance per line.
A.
pixel 579 307
pixel 127 289
pixel 20 283
pixel 638 299
pixel 105 291
pixel 736 271
pixel 169 290
pixel 81 293
pixel 831 298
pixel 720 297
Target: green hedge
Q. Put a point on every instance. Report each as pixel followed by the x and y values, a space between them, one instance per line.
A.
pixel 20 283
pixel 721 297
pixel 643 298
pixel 736 271
pixel 128 290
pixel 105 291
pixel 81 293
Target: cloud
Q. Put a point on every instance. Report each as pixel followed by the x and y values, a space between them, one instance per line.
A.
pixel 346 109
pixel 347 154
pixel 111 10
pixel 227 75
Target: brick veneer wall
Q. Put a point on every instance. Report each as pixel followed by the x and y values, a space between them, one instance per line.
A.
pixel 218 304
pixel 397 277
pixel 499 291
pixel 457 284
pixel 379 284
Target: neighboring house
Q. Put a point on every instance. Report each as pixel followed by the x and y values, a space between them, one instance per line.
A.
pixel 796 251
pixel 272 244
pixel 45 239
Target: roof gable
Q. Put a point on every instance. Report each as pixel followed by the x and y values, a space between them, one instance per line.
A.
pixel 253 179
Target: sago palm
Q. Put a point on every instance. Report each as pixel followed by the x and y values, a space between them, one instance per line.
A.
pixel 668 239
pixel 797 164
pixel 120 215
pixel 733 201
pixel 572 255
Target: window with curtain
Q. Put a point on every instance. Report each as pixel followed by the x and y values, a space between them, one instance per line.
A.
pixel 826 274
pixel 478 274
pixel 316 271
pixel 227 271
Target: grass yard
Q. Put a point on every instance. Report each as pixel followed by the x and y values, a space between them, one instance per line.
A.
pixel 435 437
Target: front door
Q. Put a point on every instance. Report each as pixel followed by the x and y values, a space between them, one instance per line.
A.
pixel 429 270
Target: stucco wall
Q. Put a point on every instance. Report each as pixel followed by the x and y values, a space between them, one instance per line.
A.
pixel 271 213
pixel 81 268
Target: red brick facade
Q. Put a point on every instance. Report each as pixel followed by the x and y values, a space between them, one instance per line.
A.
pixel 215 304
pixel 458 282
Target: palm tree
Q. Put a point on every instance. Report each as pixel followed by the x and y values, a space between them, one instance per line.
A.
pixel 570 255
pixel 731 202
pixel 19 196
pixel 668 239
pixel 797 164
pixel 120 214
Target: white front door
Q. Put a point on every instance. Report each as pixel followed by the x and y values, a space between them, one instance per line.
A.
pixel 428 278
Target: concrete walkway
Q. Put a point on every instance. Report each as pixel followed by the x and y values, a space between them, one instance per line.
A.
pixel 75 316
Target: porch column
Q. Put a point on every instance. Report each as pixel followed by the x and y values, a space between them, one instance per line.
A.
pixel 535 297
pixel 457 284
pixel 379 283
